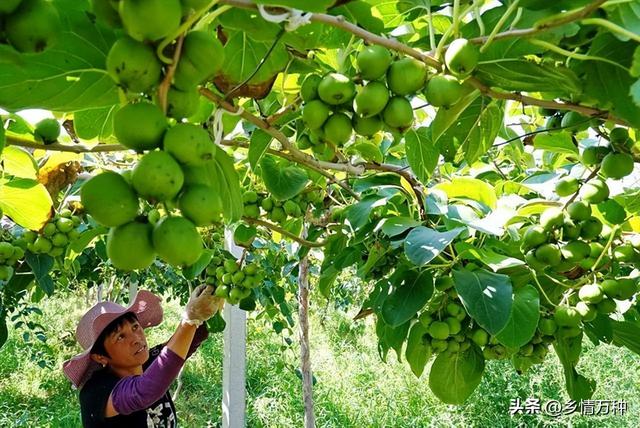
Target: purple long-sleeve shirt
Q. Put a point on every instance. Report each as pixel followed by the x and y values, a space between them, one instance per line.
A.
pixel 134 393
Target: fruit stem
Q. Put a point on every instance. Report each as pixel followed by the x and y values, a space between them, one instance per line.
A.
pixel 478 16
pixel 574 55
pixel 503 19
pixel 447 34
pixel 535 279
pixel 606 248
pixel 456 17
pixel 432 34
pixel 593 174
pixel 611 27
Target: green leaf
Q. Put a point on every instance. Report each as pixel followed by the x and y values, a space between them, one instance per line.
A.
pixel 447 117
pixel 423 244
pixel 68 76
pixel 249 22
pixel 627 334
pixel 283 180
pixel 521 75
pixel 409 295
pixel 486 296
pixel 523 321
pixel 487 256
pixel 41 265
pixel 627 16
pixel 4 332
pixel 470 188
pixel 3 139
pixel 568 350
pixel 630 200
pixel 557 142
pixel 225 176
pixel 191 272
pixel 610 84
pixel 418 350
pixel 258 146
pixel 367 150
pixel 86 237
pixel 18 162
pixel 393 226
pixel 27 202
pixel 390 337
pixel 242 55
pixel 454 376
pixel 95 123
pixel 216 324
pixel 422 154
pixel 358 214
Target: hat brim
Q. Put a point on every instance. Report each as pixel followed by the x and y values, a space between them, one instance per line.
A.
pixel 146 306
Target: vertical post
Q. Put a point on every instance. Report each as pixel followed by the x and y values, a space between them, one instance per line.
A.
pixel 305 350
pixel 234 362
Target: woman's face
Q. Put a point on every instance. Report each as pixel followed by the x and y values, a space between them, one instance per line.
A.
pixel 127 346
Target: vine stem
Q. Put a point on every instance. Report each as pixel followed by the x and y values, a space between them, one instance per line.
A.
pixel 427 58
pixel 535 279
pixel 503 19
pixel 284 232
pixel 163 88
pixel 13 140
pixel 574 55
pixel 606 248
pixel 575 195
pixel 612 27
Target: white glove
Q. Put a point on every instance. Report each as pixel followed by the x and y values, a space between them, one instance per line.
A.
pixel 202 305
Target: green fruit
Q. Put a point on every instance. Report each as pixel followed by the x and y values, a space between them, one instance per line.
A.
pixel 59 240
pixel 591 293
pixel 249 197
pixel 150 19
pixel 551 217
pixel 201 204
pixel 544 111
pixel 480 337
pixel 625 253
pixel 439 330
pixel 398 113
pixel 553 122
pixel 267 204
pixel 244 235
pixel 612 211
pixel 335 88
pixel 251 269
pixel 454 309
pixel 590 228
pixel 47 131
pixel 42 245
pixel 191 6
pixel 606 307
pixel 575 121
pixel 182 104
pixel 461 57
pixel 197 175
pixel 617 165
pixel 371 99
pixel 139 126
pixel 8 6
pixel 579 210
pixel 594 155
pixel 30 236
pixel 235 295
pixel 133 65
pixel 64 225
pixel 6 272
pixel 315 113
pixel 373 61
pixel 278 215
pixel 367 126
pixel 189 144
pixel 33 26
pixel 157 176
pixel 153 216
pixel 443 90
pixel 547 326
pixel 6 250
pixel 425 319
pixel 49 229
pixel 570 230
pixel 566 316
pixel 534 236
pixel 222 291
pixel 202 57
pixel 567 186
pixel 611 287
pixel 291 208
pixel 575 251
pixel 586 311
pixel 227 278
pixel 406 76
pixel 237 277
pixel 618 135
pixel 309 88
pixel 109 199
pixel 177 241
pixel 444 283
pixel 231 266
pixel 548 254
pixel 129 246
pixel 627 288
pixel 594 191
pixel 105 13
pixel 303 142
pixel 337 129
pixel 454 325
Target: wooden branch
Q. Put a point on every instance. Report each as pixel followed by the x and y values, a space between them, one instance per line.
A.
pixel 163 88
pixel 58 147
pixel 280 230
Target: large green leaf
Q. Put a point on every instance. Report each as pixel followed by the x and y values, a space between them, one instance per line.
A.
pixel 243 55
pixel 68 76
pixel 486 296
pixel 26 201
pixel 358 214
pixel 225 178
pixel 393 226
pixel 19 163
pixel 423 244
pixel 455 375
pixel 626 15
pixel 513 74
pixel 418 350
pixel 558 142
pixel 410 293
pixel 95 123
pixel 447 117
pixel 469 188
pixel 191 272
pixel 41 265
pixel 258 145
pixel 390 338
pixel 283 179
pixel 523 321
pixel 422 154
pixel 610 84
pixel 568 350
pixel 486 255
pixel 627 334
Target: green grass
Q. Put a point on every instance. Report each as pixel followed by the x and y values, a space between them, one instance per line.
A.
pixel 354 389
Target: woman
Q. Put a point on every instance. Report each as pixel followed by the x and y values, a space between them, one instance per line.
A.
pixel 122 382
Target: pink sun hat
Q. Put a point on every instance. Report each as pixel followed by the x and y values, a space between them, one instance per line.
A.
pixel 146 306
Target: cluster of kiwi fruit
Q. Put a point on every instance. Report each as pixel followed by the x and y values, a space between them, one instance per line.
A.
pixel 233 282
pixel 55 235
pixel 265 205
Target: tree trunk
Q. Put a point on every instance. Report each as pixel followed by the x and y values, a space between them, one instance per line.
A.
pixel 305 351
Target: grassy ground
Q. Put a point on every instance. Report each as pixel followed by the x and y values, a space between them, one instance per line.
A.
pixel 354 387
